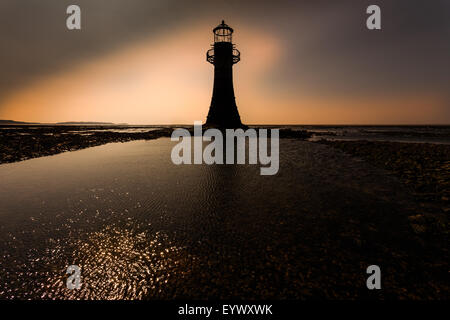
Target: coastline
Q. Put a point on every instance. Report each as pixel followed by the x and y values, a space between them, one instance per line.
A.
pixel 18 143
pixel 310 231
pixel 27 142
pixel 424 168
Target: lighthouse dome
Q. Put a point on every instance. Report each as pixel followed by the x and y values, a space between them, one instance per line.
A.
pixel 222 33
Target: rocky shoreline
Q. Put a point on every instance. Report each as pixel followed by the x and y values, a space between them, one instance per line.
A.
pixel 19 143
pixel 22 143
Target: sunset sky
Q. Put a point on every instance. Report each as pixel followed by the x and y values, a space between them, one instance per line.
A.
pixel 143 61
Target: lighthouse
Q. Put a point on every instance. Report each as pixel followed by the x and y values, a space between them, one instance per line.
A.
pixel 223 112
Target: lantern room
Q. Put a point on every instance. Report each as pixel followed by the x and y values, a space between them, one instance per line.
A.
pixel 223 32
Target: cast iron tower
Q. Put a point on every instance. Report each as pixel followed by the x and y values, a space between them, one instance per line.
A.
pixel 223 112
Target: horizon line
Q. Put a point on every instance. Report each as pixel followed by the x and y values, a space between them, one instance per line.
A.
pixel 18 122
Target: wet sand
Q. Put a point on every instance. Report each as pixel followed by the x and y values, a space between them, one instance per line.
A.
pixel 423 168
pixel 141 227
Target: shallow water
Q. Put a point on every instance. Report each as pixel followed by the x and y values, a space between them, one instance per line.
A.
pixel 438 134
pixel 408 134
pixel 141 227
pixel 108 209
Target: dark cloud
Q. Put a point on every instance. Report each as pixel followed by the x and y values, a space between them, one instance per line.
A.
pixel 337 53
pixel 329 50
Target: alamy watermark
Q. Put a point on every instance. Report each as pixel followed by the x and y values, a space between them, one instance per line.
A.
pixel 374 280
pixel 373 22
pixel 235 140
pixel 74 280
pixel 73 22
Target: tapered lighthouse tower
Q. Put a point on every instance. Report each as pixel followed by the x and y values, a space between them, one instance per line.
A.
pixel 223 112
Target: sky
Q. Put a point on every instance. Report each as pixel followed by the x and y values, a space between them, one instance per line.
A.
pixel 302 62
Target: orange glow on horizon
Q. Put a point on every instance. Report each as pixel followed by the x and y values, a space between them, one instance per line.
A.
pixel 167 81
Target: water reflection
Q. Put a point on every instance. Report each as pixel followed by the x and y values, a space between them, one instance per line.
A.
pixel 110 217
pixel 118 263
pixel 124 213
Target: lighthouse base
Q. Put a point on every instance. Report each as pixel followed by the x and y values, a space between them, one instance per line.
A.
pixel 220 117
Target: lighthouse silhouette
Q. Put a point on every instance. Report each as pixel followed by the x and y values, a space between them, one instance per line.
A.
pixel 223 112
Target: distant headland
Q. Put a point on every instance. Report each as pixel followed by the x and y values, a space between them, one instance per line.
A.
pixel 77 123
